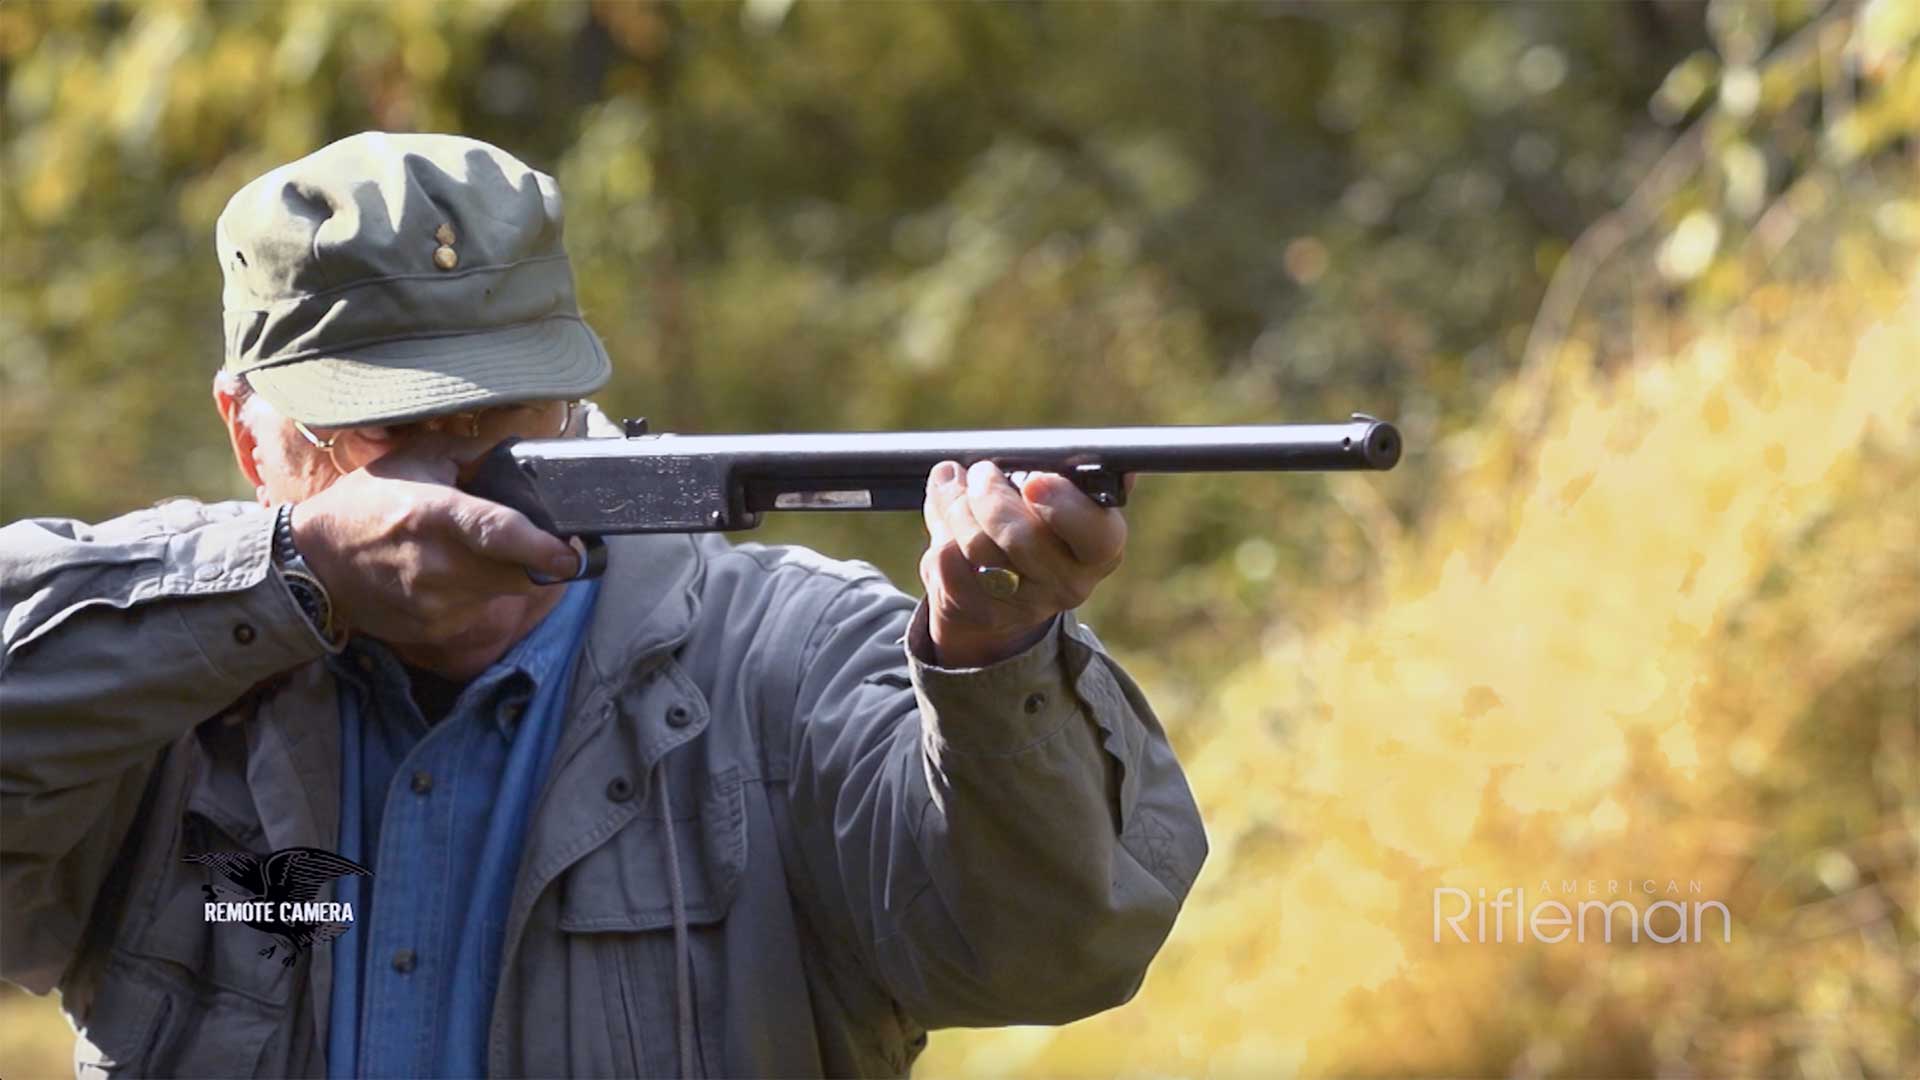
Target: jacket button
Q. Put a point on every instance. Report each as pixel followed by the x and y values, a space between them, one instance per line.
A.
pixel 1035 702
pixel 678 716
pixel 619 789
pixel 403 961
pixel 422 783
pixel 243 633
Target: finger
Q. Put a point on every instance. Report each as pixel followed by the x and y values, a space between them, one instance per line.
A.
pixel 1096 535
pixel 504 534
pixel 970 537
pixel 412 464
pixel 940 493
pixel 951 584
pixel 452 574
pixel 1029 543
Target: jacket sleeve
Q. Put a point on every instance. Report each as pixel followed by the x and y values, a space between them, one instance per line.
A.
pixel 117 639
pixel 1004 845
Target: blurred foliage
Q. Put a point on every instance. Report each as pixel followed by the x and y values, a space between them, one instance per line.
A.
pixel 1637 280
pixel 792 217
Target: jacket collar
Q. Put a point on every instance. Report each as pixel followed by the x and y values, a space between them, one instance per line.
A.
pixel 648 604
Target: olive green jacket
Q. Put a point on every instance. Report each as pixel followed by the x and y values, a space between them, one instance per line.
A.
pixel 871 846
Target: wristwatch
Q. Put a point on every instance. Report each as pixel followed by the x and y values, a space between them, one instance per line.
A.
pixel 300 579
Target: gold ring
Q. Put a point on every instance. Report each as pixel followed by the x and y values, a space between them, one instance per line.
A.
pixel 1000 582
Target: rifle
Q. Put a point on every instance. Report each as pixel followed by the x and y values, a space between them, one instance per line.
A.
pixel 653 483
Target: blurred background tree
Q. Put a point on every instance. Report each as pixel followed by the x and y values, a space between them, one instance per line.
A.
pixel 1580 253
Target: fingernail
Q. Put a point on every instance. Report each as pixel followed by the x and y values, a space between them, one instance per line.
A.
pixel 946 473
pixel 564 566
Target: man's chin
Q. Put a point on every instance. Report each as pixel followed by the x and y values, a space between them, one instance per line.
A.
pixel 472 649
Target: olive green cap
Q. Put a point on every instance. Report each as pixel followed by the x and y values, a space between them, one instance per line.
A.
pixel 387 278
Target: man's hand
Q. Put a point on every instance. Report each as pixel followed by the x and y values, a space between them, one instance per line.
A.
pixel 1058 540
pixel 408 558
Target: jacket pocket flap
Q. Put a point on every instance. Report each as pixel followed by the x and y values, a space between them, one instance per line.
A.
pixel 625 884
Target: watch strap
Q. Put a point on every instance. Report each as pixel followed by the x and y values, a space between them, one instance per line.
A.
pixel 300 579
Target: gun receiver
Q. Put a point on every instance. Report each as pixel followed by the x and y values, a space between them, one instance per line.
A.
pixel 648 483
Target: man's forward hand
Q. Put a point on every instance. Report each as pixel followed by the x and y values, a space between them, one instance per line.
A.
pixel 1059 541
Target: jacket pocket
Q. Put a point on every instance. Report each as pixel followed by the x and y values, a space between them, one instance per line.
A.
pixel 222 956
pixel 617 905
pixel 218 1036
pixel 146 1023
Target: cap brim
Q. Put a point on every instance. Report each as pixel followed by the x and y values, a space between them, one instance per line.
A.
pixel 398 381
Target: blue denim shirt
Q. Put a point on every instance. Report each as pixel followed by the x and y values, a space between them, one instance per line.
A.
pixel 439 813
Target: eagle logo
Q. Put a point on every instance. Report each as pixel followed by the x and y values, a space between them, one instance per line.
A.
pixel 276 894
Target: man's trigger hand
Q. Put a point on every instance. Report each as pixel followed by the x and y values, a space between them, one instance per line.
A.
pixel 404 555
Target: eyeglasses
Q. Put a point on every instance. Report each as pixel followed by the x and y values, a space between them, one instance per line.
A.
pixel 351 448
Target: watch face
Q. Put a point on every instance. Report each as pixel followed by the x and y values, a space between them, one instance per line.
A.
pixel 310 596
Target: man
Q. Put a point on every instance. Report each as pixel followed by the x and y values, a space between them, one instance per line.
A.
pixel 727 810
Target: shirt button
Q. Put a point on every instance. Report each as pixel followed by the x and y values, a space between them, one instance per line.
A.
pixel 422 783
pixel 403 961
pixel 678 716
pixel 1035 702
pixel 619 789
pixel 513 713
pixel 243 633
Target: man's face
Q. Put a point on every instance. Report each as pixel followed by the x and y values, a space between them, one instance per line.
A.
pixel 290 462
pixel 294 461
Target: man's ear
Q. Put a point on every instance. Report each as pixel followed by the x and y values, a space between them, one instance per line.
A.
pixel 227 397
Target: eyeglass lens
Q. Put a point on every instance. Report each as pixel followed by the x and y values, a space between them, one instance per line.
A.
pixel 353 448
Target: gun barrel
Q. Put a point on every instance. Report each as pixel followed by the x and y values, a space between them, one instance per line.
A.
pixel 1363 443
